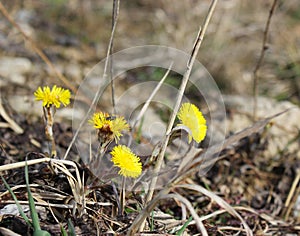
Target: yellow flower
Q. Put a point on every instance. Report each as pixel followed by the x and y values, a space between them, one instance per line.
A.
pixel 191 117
pixel 63 95
pixel 109 127
pixel 128 162
pixel 44 95
pixel 55 96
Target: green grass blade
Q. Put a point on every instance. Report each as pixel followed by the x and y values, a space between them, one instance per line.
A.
pixel 71 228
pixel 186 224
pixel 152 221
pixel 17 202
pixel 63 231
pixel 34 215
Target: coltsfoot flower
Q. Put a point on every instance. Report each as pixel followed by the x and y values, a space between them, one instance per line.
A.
pixel 109 127
pixel 127 161
pixel 191 117
pixel 56 96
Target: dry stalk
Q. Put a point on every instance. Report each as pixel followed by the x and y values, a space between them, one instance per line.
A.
pixel 104 76
pixel 261 58
pixel 22 164
pixel 115 15
pixel 10 122
pixel 292 191
pixel 44 204
pixel 184 82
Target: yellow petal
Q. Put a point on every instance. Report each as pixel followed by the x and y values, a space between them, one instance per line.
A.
pixel 191 117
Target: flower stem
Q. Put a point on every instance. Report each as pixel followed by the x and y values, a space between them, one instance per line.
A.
pixel 122 196
pixel 49 115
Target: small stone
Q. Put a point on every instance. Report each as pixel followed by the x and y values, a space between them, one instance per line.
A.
pixel 17 79
pixel 73 71
pixel 12 209
pixel 14 65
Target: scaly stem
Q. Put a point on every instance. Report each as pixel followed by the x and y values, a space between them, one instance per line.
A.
pixel 49 116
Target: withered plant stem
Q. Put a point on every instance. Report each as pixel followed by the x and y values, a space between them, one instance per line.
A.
pixel 115 16
pixel 184 82
pixel 49 118
pixel 261 58
pixel 97 95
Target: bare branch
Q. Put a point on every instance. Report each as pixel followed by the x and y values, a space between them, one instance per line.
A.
pixel 261 58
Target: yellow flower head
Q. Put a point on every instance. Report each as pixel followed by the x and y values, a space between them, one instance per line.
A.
pixel 191 117
pixel 128 162
pixel 55 96
pixel 109 127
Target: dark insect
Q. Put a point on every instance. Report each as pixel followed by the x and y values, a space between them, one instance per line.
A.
pixel 110 118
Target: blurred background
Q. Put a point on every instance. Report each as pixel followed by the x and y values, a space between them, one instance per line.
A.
pixel 75 35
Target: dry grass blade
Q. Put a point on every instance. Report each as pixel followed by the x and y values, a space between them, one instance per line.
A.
pixel 48 192
pixel 60 164
pixel 292 191
pixel 163 194
pixel 221 203
pixel 7 232
pixel 147 103
pixel 22 164
pixel 75 183
pixel 44 204
pixel 203 161
pixel 11 123
pixel 187 203
pixel 140 219
pixel 70 163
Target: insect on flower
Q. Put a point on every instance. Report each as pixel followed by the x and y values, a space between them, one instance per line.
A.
pixel 109 127
pixel 111 118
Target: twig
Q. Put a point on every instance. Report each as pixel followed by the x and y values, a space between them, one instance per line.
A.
pixel 184 82
pixel 10 122
pixel 260 60
pixel 292 191
pixel 37 50
pixel 97 95
pixel 115 16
